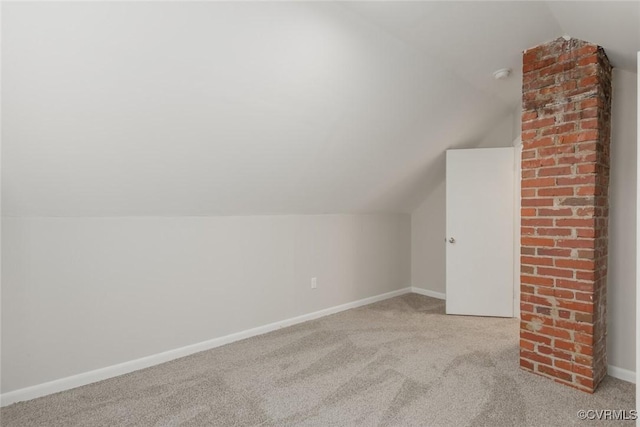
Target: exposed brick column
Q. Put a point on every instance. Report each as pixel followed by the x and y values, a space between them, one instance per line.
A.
pixel 565 183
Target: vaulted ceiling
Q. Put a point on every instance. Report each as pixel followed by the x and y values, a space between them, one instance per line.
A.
pixel 219 108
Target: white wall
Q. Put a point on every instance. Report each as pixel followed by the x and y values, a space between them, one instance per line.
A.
pixel 621 289
pixel 198 104
pixel 84 293
pixel 428 232
pixel 429 220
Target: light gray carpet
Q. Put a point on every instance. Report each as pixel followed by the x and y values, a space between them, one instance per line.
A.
pixel 399 362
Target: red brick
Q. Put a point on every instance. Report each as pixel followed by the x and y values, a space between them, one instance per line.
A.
pixel 587 147
pixel 535 357
pixel 539 123
pixel 526 307
pixel 571 117
pixel 585 318
pixel 585 275
pixel 583 296
pixel 589 124
pixel 586 232
pixel 575 222
pixel 588 103
pixel 554 252
pixel 577 180
pixel 530 317
pixel 587 212
pixel 565 345
pixel 587 49
pixel 555 373
pixel 529 260
pixel 575 263
pixel 577 201
pixel 527 202
pixel 536 280
pixel 537 241
pixel 570 160
pixel 584 307
pixel 564 314
pixel 586 328
pixel 534 222
pixel 556 171
pixel 586 350
pixel 530 336
pixel 536 65
pixel 562 354
pixel 554 231
pixel 524 363
pixel 527 345
pixel 530 56
pixel 536 163
pixel 527 289
pixel 560 129
pixel 537 300
pixel 555 272
pixel 555 212
pixel 574 284
pixel 562 364
pixel 555 292
pixel 586 382
pixel 572 138
pixel 543 349
pixel 581 370
pixel 588 60
pixel 554 332
pixel 576 243
pixel 554 151
pixel 587 190
pixel 527 251
pixel 537 142
pixel 589 113
pixel 565 178
pixel 588 81
pixel 545 311
pixel 539 182
pixel 555 68
pixel 586 339
pixel 555 191
pixel 586 254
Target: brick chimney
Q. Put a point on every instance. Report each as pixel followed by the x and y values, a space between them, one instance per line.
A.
pixel 566 122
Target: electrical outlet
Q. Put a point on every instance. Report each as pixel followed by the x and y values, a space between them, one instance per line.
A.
pixel 314 282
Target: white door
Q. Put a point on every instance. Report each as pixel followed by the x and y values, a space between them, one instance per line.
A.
pixel 480 233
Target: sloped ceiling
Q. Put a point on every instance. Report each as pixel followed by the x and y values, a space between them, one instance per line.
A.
pixel 211 108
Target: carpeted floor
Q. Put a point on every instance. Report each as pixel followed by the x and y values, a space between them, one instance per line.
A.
pixel 399 362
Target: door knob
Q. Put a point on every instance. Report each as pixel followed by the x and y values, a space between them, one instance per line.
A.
pixel 452 240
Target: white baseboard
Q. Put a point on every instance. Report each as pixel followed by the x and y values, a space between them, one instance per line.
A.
pixel 85 378
pixel 613 371
pixel 428 293
pixel 621 374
